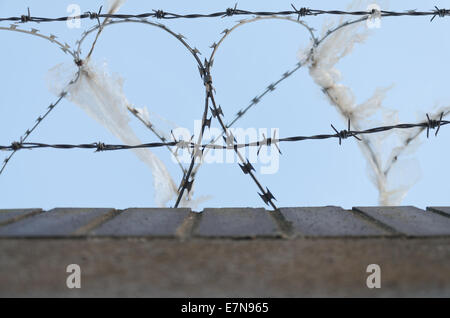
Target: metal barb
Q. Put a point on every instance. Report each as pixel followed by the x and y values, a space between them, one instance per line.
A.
pixel 440 13
pixel 267 196
pixel 100 146
pixel 159 14
pixel 230 11
pixel 302 12
pixel 95 15
pixel 432 124
pixel 344 134
pixel 247 167
pixel 26 18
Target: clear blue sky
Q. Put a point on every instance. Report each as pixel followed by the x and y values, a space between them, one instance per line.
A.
pixel 410 52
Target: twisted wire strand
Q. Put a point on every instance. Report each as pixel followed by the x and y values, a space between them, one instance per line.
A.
pixel 204 69
pixel 67 50
pixel 241 113
pixel 158 134
pixel 38 121
pixel 340 135
pixel 35 32
pixel 215 46
pixel 245 165
pixel 194 51
pixel 230 12
pixel 185 183
pixel 227 32
pixel 412 138
pixel 181 38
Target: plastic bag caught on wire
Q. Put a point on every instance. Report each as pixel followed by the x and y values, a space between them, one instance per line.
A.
pixel 101 96
pixel 114 5
pixel 163 129
pixel 160 125
pixel 376 148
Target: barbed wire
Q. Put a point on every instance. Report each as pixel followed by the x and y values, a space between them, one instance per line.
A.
pixel 429 124
pixel 230 12
pixel 217 113
pixel 35 32
pixel 230 140
pixel 157 133
pixel 198 149
pixel 271 87
pixel 253 102
pixel 39 120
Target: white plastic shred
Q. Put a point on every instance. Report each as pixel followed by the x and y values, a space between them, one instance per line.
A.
pixel 391 168
pixel 162 126
pixel 392 178
pixel 100 95
pixel 114 5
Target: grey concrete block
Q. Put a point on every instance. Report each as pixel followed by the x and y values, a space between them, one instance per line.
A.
pixel 330 221
pixel 236 223
pixel 322 267
pixel 409 220
pixel 13 215
pixel 444 210
pixel 143 222
pixel 57 222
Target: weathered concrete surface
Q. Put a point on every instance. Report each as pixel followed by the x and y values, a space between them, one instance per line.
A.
pixel 330 221
pixel 14 215
pixel 236 223
pixel 226 252
pixel 143 222
pixel 409 220
pixel 57 222
pixel 444 210
pixel 228 268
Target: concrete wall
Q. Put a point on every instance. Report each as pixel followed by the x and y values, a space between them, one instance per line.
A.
pixel 242 252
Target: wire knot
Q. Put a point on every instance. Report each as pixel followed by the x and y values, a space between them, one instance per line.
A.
pixel 230 11
pixel 268 142
pixel 440 13
pixel 302 12
pixel 100 146
pixel 344 134
pixel 95 15
pixel 92 15
pixel 433 124
pixel 159 14
pixel 26 18
pixel 16 145
pixel 375 13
